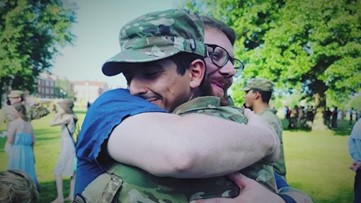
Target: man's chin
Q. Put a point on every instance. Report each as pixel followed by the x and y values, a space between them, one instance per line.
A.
pixel 217 91
pixel 158 103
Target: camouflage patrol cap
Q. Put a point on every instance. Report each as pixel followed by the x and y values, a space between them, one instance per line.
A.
pixel 259 84
pixel 15 93
pixel 157 35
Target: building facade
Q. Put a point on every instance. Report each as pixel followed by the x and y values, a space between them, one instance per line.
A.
pixel 88 91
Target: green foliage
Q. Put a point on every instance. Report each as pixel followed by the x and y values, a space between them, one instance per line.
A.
pixel 64 89
pixel 309 46
pixel 30 35
pixel 355 102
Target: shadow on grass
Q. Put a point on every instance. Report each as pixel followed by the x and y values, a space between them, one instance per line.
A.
pixel 300 129
pixel 80 111
pixel 344 195
pixel 48 190
pixel 343 128
pixel 46 134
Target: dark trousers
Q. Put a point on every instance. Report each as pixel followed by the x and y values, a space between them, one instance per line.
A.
pixel 357 187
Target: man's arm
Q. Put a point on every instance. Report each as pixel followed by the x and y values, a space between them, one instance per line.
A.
pixel 252 191
pixel 59 119
pixel 193 145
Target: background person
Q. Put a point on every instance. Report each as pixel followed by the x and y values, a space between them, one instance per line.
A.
pixel 355 153
pixel 7 112
pixel 20 140
pixel 66 163
pixel 351 115
pixel 34 110
pixel 16 186
pixel 328 114
pixel 257 97
pixel 334 117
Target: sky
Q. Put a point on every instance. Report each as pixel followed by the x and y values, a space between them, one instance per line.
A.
pixel 96 30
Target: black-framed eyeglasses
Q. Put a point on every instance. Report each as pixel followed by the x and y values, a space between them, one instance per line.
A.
pixel 220 56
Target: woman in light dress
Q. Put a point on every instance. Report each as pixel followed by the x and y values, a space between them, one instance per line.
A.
pixel 20 141
pixel 66 162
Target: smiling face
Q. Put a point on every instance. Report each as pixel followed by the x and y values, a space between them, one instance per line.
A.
pixel 14 100
pixel 159 83
pixel 220 78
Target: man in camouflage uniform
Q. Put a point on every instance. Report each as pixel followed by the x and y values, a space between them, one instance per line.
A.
pixel 257 97
pixel 7 113
pixel 139 186
pixel 135 184
pixel 35 111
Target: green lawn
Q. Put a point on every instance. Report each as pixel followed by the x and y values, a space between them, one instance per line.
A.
pixel 317 161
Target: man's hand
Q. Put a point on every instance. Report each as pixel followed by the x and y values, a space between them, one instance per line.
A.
pixel 355 165
pixel 251 192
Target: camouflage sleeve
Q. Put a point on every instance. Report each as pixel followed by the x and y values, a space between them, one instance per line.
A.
pixel 291 195
pixel 37 111
pixel 102 189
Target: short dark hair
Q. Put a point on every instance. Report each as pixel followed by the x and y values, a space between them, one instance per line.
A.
pixel 265 95
pixel 219 25
pixel 182 61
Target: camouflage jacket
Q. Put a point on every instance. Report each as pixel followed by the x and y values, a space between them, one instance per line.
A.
pixel 271 118
pixel 261 171
pixel 124 183
pixel 35 111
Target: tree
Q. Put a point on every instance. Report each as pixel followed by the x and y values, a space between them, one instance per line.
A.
pixel 355 103
pixel 309 46
pixel 64 89
pixel 31 32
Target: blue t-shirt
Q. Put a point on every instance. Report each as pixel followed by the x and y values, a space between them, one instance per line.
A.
pixel 280 182
pixel 108 111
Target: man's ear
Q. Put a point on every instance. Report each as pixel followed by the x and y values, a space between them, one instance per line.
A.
pixel 257 95
pixel 197 70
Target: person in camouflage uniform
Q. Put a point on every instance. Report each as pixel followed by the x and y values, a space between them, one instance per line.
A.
pixel 137 185
pixel 35 111
pixel 258 94
pixel 257 97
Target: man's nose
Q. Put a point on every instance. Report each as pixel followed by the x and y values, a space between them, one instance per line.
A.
pixel 137 87
pixel 228 70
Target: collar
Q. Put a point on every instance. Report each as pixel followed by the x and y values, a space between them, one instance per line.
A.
pixel 197 103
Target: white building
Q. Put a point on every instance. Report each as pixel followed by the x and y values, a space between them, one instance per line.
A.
pixel 88 91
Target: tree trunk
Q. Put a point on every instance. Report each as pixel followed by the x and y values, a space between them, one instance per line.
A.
pixel 320 105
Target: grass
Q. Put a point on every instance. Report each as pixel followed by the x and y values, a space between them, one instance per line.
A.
pixel 317 161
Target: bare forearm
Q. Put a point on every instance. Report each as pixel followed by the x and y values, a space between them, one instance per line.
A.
pixel 189 146
pixel 58 119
